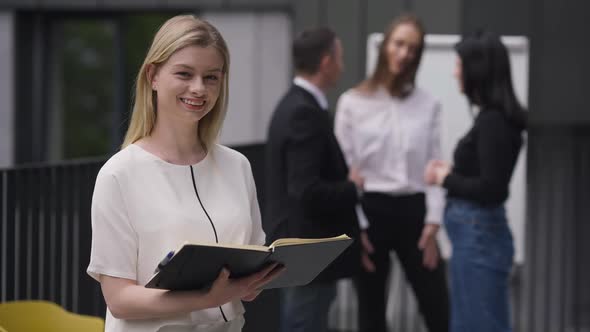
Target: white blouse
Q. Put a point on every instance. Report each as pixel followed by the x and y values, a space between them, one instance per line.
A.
pixel 390 140
pixel 143 207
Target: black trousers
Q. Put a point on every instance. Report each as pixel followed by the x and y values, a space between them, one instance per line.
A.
pixel 396 224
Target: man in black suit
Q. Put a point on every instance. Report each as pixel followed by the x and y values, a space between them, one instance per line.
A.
pixel 309 193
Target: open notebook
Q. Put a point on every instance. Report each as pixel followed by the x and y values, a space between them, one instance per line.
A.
pixel 196 266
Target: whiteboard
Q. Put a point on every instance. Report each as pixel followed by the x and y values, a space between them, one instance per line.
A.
pixel 435 75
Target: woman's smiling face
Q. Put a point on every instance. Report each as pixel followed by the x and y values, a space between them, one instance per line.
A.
pixel 189 83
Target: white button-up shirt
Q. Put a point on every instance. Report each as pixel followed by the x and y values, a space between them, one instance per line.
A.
pixel 390 140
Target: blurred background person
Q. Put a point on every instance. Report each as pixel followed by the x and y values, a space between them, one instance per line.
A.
pixel 309 193
pixel 389 129
pixel 477 186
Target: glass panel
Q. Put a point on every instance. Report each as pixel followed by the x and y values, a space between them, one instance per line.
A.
pixel 91 58
pixel 82 88
pixel 139 30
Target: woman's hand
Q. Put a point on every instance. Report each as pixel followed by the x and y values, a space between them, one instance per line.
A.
pixel 128 300
pixel 252 296
pixel 225 290
pixel 427 244
pixel 436 171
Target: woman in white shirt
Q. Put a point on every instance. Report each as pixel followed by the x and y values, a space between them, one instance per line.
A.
pixel 171 183
pixel 388 130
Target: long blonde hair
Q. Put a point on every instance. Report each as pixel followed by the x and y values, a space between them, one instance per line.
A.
pixel 175 34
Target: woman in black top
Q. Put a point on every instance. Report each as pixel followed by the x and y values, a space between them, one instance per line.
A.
pixel 477 187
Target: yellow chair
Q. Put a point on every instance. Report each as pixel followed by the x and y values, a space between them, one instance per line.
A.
pixel 43 316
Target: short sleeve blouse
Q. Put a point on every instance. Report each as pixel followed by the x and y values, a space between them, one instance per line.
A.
pixel 143 206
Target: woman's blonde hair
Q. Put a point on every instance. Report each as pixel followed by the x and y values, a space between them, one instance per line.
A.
pixel 175 34
pixel 404 84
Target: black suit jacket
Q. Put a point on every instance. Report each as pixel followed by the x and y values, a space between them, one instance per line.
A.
pixel 307 189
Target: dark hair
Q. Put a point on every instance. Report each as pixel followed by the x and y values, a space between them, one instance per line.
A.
pixel 487 81
pixel 310 46
pixel 405 82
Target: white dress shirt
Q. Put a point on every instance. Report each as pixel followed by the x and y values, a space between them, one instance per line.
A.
pixel 318 94
pixel 390 140
pixel 320 97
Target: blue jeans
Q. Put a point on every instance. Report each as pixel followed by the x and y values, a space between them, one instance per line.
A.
pixel 305 308
pixel 480 265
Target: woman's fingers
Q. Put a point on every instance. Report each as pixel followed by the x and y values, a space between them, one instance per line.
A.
pixel 273 274
pixel 430 255
pixel 251 296
pixel 247 288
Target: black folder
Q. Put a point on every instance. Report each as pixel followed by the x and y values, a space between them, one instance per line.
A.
pixel 196 266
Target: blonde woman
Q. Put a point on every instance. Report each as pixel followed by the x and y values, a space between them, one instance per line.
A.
pixel 172 183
